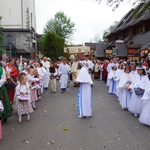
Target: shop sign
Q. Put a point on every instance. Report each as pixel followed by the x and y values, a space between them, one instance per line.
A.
pixel 108 51
pixel 133 52
pixel 114 51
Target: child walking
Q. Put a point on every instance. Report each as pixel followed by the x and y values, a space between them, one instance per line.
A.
pixel 33 86
pixel 23 95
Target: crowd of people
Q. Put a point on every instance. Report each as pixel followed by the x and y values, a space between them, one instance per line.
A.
pixel 130 83
pixel 24 81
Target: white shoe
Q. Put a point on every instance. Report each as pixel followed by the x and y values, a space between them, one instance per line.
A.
pixel 80 116
pixel 135 115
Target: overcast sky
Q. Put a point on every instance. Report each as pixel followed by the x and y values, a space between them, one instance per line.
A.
pixel 90 18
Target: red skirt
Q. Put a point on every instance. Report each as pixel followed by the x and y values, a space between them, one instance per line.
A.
pixel 11 94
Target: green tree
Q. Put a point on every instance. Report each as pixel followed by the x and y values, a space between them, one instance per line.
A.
pixel 53 45
pixel 41 44
pixel 97 38
pixel 107 31
pixel 1 37
pixel 61 25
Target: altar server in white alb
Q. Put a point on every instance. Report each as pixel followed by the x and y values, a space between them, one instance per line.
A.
pixel 139 85
pixel 42 74
pixel 84 93
pixel 87 63
pixel 145 114
pixel 64 70
pixel 124 92
pixel 46 65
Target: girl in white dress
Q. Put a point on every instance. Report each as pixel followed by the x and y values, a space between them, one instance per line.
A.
pixel 23 95
pixel 123 88
pixel 118 75
pixel 112 83
pixel 145 114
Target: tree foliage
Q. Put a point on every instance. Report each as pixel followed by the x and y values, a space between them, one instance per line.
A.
pixel 52 45
pixel 61 25
pixel 1 37
pixel 107 31
pixel 115 3
pixel 97 38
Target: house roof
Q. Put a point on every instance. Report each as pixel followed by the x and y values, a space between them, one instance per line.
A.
pixel 99 52
pixel 92 45
pixel 129 19
pixel 122 49
pixel 143 39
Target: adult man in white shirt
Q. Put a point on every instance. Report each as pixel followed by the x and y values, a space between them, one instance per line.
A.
pixel 46 65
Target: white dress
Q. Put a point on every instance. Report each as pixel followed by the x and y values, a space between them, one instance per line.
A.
pixel 145 114
pixel 112 82
pixel 63 70
pixel 136 104
pixel 46 65
pixel 118 75
pixel 124 96
pixel 24 103
pixel 84 93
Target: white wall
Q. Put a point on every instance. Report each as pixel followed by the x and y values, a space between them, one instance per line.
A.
pixel 14 13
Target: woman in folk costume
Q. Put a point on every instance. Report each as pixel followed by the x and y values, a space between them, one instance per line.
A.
pixel 1 110
pixel 12 75
pixel 139 85
pixel 84 93
pixel 111 79
pixel 63 70
pixel 124 93
pixel 4 96
pixel 24 101
pixel 145 114
pixel 53 73
pixel 105 72
pixel 32 84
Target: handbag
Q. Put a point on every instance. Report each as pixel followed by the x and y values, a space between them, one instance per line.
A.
pixel 139 91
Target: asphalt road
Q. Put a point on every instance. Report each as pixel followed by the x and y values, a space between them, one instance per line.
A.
pixel 55 125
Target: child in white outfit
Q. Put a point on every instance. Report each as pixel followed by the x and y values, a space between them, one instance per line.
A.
pixel 23 95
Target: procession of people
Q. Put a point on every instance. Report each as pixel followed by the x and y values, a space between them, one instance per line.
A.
pixel 23 81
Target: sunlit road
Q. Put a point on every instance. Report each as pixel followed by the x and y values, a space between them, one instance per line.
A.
pixel 55 125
